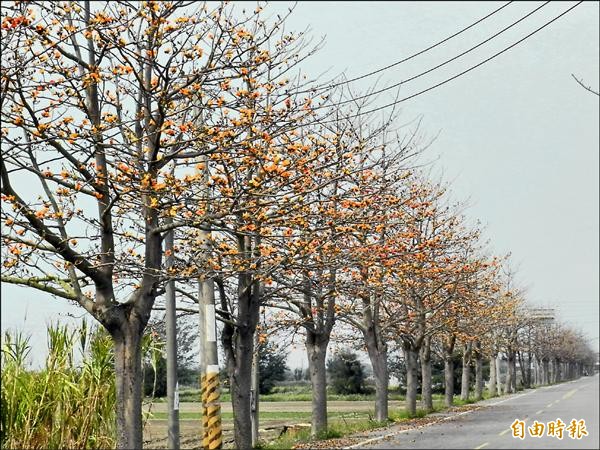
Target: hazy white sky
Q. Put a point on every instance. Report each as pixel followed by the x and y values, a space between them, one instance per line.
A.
pixel 517 136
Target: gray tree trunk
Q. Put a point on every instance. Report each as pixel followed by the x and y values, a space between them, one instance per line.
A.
pixel 510 375
pixel 499 373
pixel 524 368
pixel 380 373
pixel 238 346
pixel 410 358
pixel 513 364
pixel 478 372
pixel 493 377
pixel 426 397
pixel 241 382
pixel 546 370
pixel 449 372
pixel 381 390
pixel 316 349
pixel 466 372
pixel 377 351
pixel 449 381
pixel 529 370
pixel 128 375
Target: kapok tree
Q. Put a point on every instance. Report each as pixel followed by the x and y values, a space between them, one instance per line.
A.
pixel 314 253
pixel 485 312
pixel 267 160
pixel 368 286
pixel 104 105
pixel 321 239
pixel 430 273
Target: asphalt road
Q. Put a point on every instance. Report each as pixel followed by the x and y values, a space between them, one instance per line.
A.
pixel 490 426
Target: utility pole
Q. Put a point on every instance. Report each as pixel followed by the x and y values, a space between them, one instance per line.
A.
pixel 210 383
pixel 171 331
pixel 254 389
pixel 202 341
pixel 211 393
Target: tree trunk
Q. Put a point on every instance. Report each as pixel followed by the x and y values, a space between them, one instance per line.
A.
pixel 380 373
pixel 378 356
pixel 513 364
pixel 499 373
pixel 240 375
pixel 478 372
pixel 510 374
pixel 128 375
pixel 238 346
pixel 449 380
pixel 529 370
pixel 410 357
pixel 426 398
pixel 466 372
pixel 381 390
pixel 546 370
pixel 493 377
pixel 524 369
pixel 317 350
pixel 449 371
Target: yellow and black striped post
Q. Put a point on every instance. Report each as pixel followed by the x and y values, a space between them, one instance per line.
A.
pixel 211 409
pixel 209 382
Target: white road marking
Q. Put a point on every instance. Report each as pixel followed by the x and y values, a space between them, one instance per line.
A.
pixel 510 398
pixel 569 394
pixel 389 435
pixel 482 445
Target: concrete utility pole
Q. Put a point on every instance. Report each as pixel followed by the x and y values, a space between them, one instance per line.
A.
pixel 171 332
pixel 211 404
pixel 209 383
pixel 202 341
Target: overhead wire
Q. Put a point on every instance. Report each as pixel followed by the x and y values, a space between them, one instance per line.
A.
pixel 408 58
pixel 379 91
pixel 464 71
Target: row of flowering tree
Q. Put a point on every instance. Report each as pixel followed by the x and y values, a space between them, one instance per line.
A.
pixel 125 121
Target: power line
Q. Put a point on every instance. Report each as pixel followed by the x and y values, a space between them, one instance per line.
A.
pixel 439 65
pixel 464 71
pixel 366 75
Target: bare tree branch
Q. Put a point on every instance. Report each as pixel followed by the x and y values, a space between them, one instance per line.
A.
pixel 587 88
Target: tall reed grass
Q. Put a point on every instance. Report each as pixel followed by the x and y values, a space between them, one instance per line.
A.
pixel 65 404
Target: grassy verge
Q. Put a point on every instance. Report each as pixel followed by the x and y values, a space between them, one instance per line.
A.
pixel 269 415
pixel 340 423
pixel 340 428
pixel 285 395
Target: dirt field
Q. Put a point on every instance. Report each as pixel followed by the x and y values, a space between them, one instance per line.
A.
pixel 155 432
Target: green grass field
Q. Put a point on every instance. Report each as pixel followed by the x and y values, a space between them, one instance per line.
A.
pixel 291 410
pixel 285 394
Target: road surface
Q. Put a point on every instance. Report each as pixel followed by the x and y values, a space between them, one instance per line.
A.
pixel 489 427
